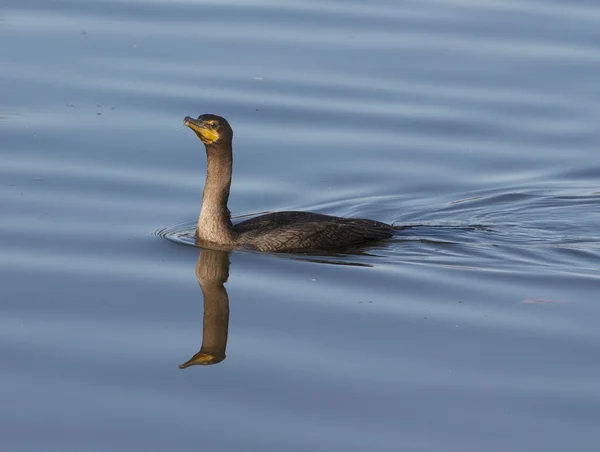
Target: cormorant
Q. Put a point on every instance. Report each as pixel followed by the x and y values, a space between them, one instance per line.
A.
pixel 278 231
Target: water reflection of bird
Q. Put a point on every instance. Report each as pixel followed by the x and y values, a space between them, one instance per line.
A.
pixel 212 271
pixel 279 231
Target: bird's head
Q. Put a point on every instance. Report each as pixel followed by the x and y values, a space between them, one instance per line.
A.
pixel 211 129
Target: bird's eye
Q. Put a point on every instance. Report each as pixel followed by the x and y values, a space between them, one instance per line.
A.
pixel 214 125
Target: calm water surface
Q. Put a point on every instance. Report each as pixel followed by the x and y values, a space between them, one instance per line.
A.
pixel 476 329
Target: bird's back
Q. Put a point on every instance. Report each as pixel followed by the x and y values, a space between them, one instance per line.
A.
pixel 289 231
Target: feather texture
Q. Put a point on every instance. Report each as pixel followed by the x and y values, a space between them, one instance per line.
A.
pixel 294 231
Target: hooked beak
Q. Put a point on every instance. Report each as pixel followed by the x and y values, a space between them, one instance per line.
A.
pixel 205 133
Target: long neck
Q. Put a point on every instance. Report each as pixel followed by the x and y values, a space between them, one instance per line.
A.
pixel 214 223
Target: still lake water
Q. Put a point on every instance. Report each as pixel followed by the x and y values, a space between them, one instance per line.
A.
pixel 475 122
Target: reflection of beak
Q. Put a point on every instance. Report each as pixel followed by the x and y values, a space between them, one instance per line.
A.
pixel 202 359
pixel 206 134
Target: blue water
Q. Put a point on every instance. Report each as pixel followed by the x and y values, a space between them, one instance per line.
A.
pixel 476 124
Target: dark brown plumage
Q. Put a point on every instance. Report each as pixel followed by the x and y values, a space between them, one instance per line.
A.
pixel 279 231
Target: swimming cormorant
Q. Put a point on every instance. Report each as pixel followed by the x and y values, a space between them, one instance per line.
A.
pixel 278 231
